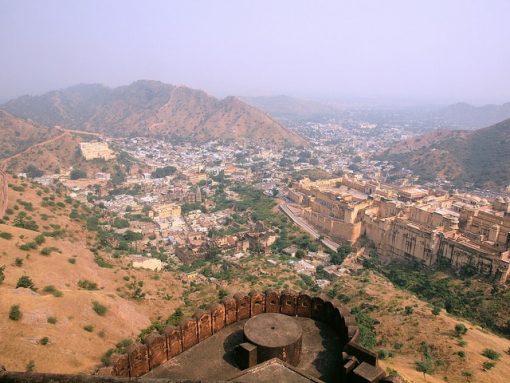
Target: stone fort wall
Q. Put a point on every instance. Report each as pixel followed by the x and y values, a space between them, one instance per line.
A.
pixel 357 363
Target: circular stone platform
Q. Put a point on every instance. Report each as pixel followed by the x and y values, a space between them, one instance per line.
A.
pixel 276 336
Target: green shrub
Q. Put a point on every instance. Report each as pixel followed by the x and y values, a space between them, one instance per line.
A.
pixel 30 366
pixel 28 246
pixel 491 354
pixel 15 313
pixel 39 239
pixel 119 349
pixel 99 308
pixel 72 261
pixel 53 291
pixel 487 365
pixel 460 329
pixel 366 325
pixel 87 285
pixel 408 310
pixel 18 262
pixel 383 354
pixel 101 262
pixel 26 282
pixel 397 345
pixel 5 235
pixel 222 293
pixel 51 320
pixel 436 310
pixel 2 275
pixel 425 366
pixel 48 250
pixel 88 328
pixel 44 341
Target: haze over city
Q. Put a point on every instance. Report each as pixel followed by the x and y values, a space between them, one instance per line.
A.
pixel 399 51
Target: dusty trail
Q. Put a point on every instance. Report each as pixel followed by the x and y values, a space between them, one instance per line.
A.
pixel 5 162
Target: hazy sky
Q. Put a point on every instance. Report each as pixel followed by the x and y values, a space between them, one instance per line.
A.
pixel 433 51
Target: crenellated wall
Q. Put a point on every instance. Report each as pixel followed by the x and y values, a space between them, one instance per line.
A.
pixel 358 364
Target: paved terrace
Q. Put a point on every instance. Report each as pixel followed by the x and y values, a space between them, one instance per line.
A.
pixel 213 358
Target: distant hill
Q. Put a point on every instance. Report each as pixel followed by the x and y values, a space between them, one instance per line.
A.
pixel 290 108
pixel 481 156
pixel 152 108
pixel 17 134
pixel 466 116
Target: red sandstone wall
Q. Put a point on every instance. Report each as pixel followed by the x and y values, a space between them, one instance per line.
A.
pixel 158 348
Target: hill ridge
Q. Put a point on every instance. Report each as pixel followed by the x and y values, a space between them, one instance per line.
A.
pixel 149 107
pixel 480 157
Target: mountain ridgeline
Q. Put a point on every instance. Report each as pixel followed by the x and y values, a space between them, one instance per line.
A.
pixel 155 109
pixel 480 157
pixel 17 134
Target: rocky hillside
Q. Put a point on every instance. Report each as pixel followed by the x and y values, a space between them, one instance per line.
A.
pixel 50 277
pixel 17 134
pixel 154 109
pixel 481 157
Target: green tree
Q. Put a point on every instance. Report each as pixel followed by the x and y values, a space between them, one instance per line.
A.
pixel 163 172
pixel 300 253
pixel 77 174
pixel 33 172
pixel 426 366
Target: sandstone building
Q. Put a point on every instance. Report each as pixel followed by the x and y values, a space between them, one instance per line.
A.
pixel 464 231
pixel 93 150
